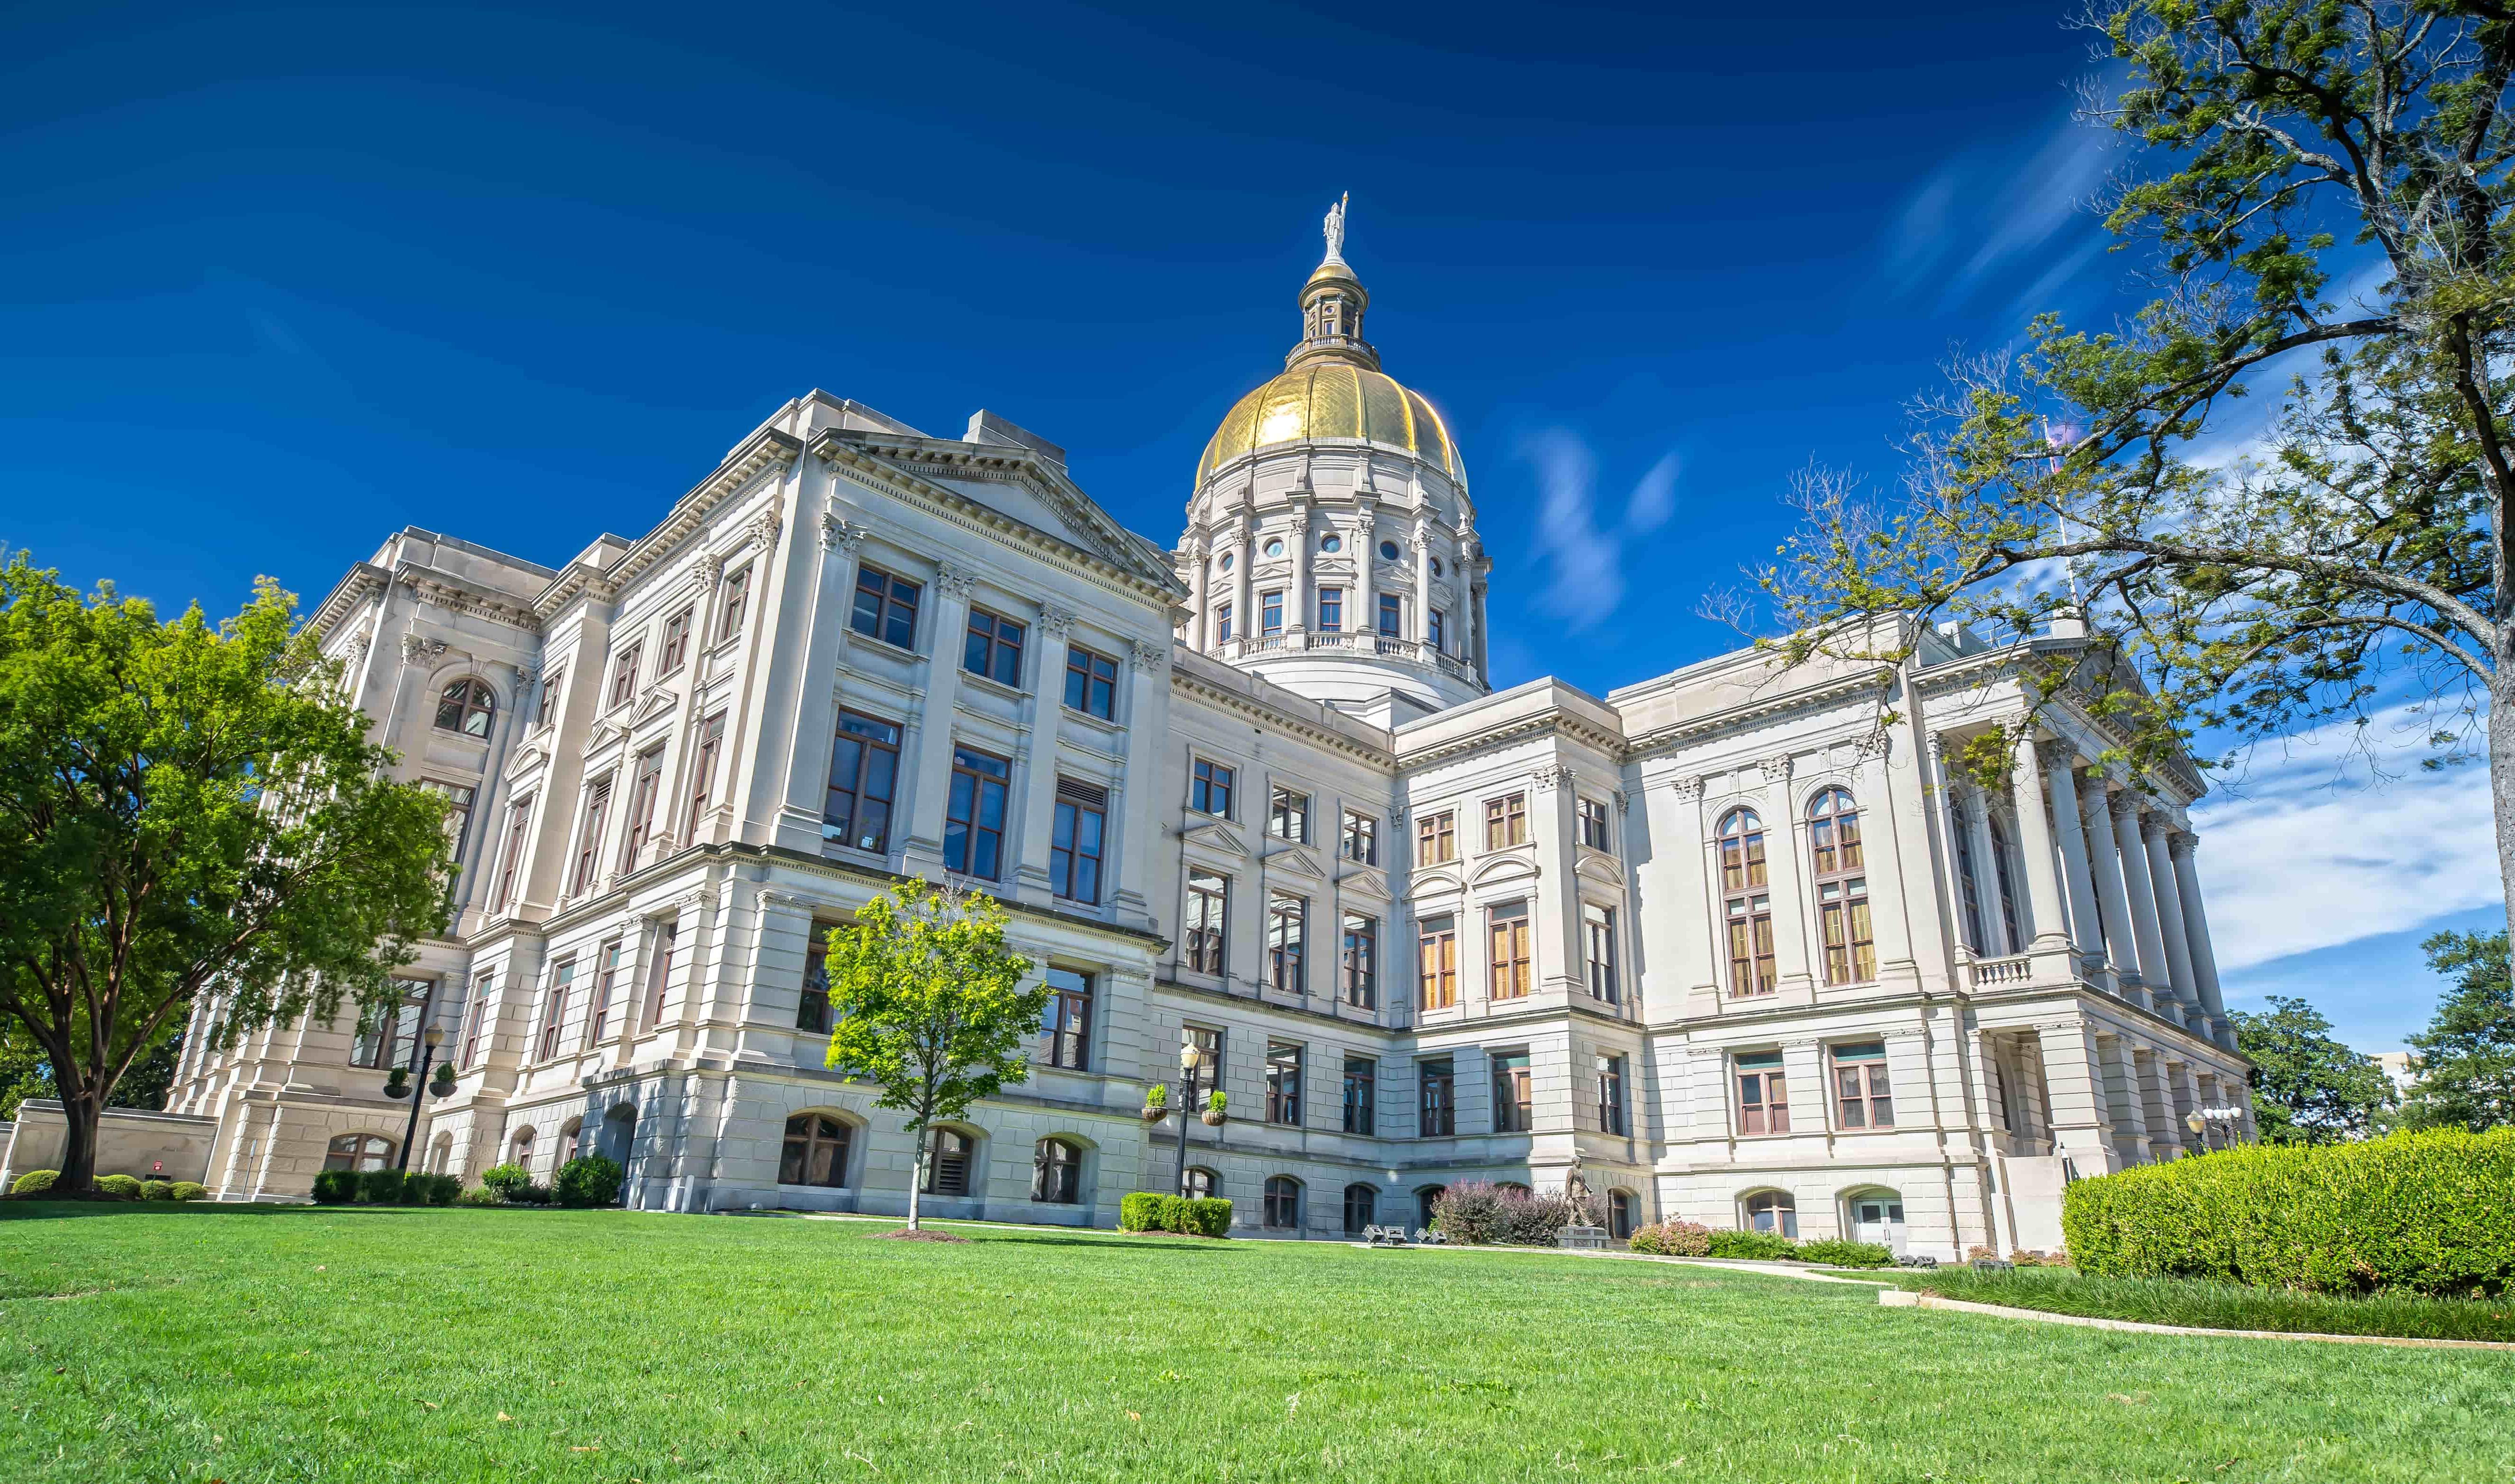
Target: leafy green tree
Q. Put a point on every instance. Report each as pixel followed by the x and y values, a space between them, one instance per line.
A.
pixel 24 1074
pixel 2308 1089
pixel 929 1007
pixel 188 809
pixel 2318 191
pixel 2465 1059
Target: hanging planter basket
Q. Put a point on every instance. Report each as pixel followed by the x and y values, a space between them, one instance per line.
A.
pixel 1214 1117
pixel 1155 1113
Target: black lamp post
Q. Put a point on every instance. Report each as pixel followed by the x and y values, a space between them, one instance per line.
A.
pixel 430 1040
pixel 1191 1062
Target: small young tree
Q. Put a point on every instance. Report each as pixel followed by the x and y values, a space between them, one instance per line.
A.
pixel 2308 1089
pixel 2465 1059
pixel 188 809
pixel 930 1008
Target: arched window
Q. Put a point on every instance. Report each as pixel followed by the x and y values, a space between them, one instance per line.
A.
pixel 1283 1201
pixel 1841 889
pixel 1620 1213
pixel 520 1150
pixel 2000 859
pixel 816 1151
pixel 440 1155
pixel 1747 903
pixel 571 1140
pixel 1361 1207
pixel 1057 1173
pixel 466 707
pixel 1201 1182
pixel 947 1167
pixel 1423 1200
pixel 358 1151
pixel 1773 1211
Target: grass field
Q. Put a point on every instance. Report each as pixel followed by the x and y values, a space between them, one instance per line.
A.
pixel 252 1344
pixel 2213 1305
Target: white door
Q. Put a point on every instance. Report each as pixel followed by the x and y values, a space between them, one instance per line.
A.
pixel 1879 1218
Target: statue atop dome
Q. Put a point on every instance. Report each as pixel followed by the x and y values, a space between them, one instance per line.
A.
pixel 1334 228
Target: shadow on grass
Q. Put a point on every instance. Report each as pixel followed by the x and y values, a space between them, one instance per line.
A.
pixel 20 1211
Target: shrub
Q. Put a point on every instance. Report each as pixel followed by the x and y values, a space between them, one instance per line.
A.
pixel 531 1195
pixel 1141 1211
pixel 1479 1213
pixel 35 1182
pixel 1673 1239
pixel 2431 1212
pixel 122 1187
pixel 1468 1213
pixel 589 1180
pixel 190 1190
pixel 1837 1251
pixel 424 1189
pixel 1215 1103
pixel 1749 1246
pixel 336 1187
pixel 478 1195
pixel 507 1180
pixel 380 1187
pixel 1208 1215
pixel 156 1191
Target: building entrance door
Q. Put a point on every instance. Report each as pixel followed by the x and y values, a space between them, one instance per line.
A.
pixel 1879 1218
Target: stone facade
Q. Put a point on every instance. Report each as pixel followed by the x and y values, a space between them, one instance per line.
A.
pixel 1436 932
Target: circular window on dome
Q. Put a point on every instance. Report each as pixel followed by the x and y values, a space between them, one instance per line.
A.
pixel 1332 543
pixel 1275 547
pixel 1388 551
pixel 1225 562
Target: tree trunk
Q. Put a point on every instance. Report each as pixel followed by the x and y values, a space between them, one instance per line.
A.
pixel 2501 781
pixel 82 1112
pixel 916 1174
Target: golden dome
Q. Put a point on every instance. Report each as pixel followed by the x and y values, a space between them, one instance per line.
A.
pixel 1333 400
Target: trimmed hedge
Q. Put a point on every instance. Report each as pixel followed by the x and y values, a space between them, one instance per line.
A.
pixel 156 1191
pixel 589 1180
pixel 507 1180
pixel 1840 1252
pixel 122 1187
pixel 1141 1211
pixel 1672 1239
pixel 1152 1210
pixel 380 1187
pixel 1751 1246
pixel 2431 1212
pixel 336 1187
pixel 35 1182
pixel 190 1190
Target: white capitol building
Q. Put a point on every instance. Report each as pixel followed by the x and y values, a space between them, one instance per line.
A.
pixel 1745 953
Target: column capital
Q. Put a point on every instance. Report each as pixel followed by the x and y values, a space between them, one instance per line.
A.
pixel 1054 620
pixel 1150 657
pixel 2053 752
pixel 1687 788
pixel 2095 802
pixel 840 534
pixel 1872 746
pixel 959 582
pixel 2180 845
pixel 1777 767
pixel 2127 805
pixel 1549 778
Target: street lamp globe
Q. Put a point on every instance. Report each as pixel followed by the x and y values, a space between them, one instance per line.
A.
pixel 435 1036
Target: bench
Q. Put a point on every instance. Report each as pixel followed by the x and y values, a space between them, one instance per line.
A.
pixel 1383 1236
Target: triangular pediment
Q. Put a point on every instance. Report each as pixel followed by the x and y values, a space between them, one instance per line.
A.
pixel 658 702
pixel 1296 860
pixel 1017 484
pixel 1216 834
pixel 604 735
pixel 1364 882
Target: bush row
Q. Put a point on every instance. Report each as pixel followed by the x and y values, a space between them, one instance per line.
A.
pixel 1685 1239
pixel 1481 1213
pixel 2431 1212
pixel 126 1187
pixel 383 1187
pixel 1188 1215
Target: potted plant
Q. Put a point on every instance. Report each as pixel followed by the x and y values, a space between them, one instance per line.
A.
pixel 1215 1103
pixel 398 1083
pixel 443 1085
pixel 1157 1103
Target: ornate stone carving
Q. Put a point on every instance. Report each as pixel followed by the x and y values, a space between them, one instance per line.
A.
pixel 1776 768
pixel 1870 748
pixel 416 647
pixel 1056 620
pixel 711 568
pixel 1688 789
pixel 1549 777
pixel 1150 657
pixel 765 526
pixel 2127 805
pixel 953 580
pixel 358 645
pixel 2180 845
pixel 1622 804
pixel 839 534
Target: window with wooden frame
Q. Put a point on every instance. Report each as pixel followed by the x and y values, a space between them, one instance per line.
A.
pixel 1208 789
pixel 520 818
pixel 1223 623
pixel 624 677
pixel 864 783
pixel 1331 610
pixel 358 1151
pixel 994 647
pixel 974 817
pixel 676 643
pixel 667 936
pixel 646 781
pixel 1066 1022
pixel 1360 838
pixel 1763 1101
pixel 387 1036
pixel 1593 823
pixel 1515 1102
pixel 703 775
pixel 1082 820
pixel 1288 814
pixel 1432 635
pixel 1287 926
pixel 589 850
pixel 815 1152
pixel 1598 950
pixel 481 989
pixel 1436 957
pixel 1361 1092
pixel 1283 1202
pixel 1393 616
pixel 1208 903
pixel 1747 903
pixel 1506 821
pixel 1841 889
pixel 947 1161
pixel 555 1012
pixel 1360 961
pixel 1436 838
pixel 1202 1183
pixel 1436 1098
pixel 812 1005
pixel 1860 1097
pixel 1209 1046
pixel 1507 933
pixel 1620 1213
pixel 468 708
pixel 737 603
pixel 1271 614
pixel 546 709
pixel 1284 1082
pixel 1091 682
pixel 606 978
pixel 1774 1212
pixel 1611 1095
pixel 1057 1172
pixel 886 608
pixel 1361 1208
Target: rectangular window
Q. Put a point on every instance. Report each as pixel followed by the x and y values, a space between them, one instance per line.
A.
pixel 1393 618
pixel 738 600
pixel 1271 614
pixel 555 1014
pixel 812 1007
pixel 1361 964
pixel 864 782
pixel 1611 1095
pixel 1436 838
pixel 1506 821
pixel 624 677
pixel 481 989
pixel 1074 848
pixel 994 647
pixel 1436 1098
pixel 1436 956
pixel 1283 1083
pixel 1842 922
pixel 1750 945
pixel 1509 923
pixel 1331 610
pixel 677 642
pixel 388 1035
pixel 1288 814
pixel 973 822
pixel 1286 920
pixel 667 936
pixel 1223 623
pixel 547 708
pixel 1432 634
pixel 1208 1045
pixel 1764 1104
pixel 1067 1020
pixel 646 781
pixel 598 811
pixel 1969 885
pixel 1598 947
pixel 1515 1108
pixel 518 823
pixel 606 978
pixel 1593 824
pixel 1091 682
pixel 1209 900
pixel 458 798
pixel 1860 1090
pixel 886 608
pixel 1361 838
pixel 703 773
pixel 1361 1092
pixel 1210 789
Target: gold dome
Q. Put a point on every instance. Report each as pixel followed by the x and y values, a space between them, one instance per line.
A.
pixel 1333 400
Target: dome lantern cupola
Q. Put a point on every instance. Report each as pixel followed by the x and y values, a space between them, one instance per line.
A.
pixel 1332 303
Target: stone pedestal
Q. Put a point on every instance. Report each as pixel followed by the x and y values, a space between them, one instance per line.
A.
pixel 1582 1239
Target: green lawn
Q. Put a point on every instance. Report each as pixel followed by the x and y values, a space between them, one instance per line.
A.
pixel 205 1342
pixel 2214 1305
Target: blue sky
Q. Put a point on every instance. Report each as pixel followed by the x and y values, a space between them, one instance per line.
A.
pixel 276 282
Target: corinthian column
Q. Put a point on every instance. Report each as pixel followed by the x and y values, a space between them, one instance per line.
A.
pixel 2060 781
pixel 2196 925
pixel 2169 912
pixel 2146 940
pixel 2034 845
pixel 2105 859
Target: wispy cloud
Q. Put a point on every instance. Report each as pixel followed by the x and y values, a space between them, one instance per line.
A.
pixel 1989 213
pixel 1583 554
